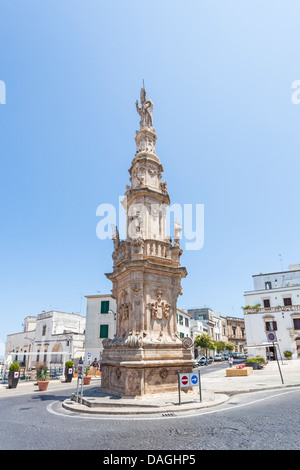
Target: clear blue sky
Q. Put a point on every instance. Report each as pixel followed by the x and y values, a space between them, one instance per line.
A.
pixel 219 74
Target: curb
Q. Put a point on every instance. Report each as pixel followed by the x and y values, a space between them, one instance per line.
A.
pixel 71 405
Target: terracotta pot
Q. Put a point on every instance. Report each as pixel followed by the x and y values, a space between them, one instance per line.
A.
pixel 43 385
pixel 87 379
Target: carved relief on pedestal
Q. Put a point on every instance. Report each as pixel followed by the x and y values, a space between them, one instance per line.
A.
pixel 138 176
pixel 133 382
pixel 137 291
pixel 125 307
pixel 138 246
pixel 159 309
pixel 135 221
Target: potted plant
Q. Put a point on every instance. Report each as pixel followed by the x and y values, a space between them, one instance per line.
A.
pixel 87 378
pixel 13 375
pixel 256 362
pixel 252 363
pixel 287 355
pixel 42 378
pixel 69 371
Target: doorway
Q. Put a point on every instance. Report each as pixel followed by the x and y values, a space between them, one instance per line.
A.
pixel 271 353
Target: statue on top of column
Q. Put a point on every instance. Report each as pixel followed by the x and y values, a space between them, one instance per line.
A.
pixel 146 110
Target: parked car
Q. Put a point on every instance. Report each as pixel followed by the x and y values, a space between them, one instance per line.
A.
pixel 239 355
pixel 202 361
pixel 219 357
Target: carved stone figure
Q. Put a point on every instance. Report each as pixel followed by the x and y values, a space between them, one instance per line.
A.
pixel 146 110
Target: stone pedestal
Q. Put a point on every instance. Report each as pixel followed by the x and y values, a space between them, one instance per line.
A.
pixel 144 370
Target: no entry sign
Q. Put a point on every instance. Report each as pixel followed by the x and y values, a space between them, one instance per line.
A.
pixel 184 380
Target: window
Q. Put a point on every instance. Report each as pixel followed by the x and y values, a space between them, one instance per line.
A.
pixel 296 323
pixel 44 330
pixel 234 332
pixel 181 335
pixel 271 325
pixel 266 303
pixel 104 306
pixel 186 322
pixel 287 301
pixel 268 285
pixel 180 320
pixel 103 331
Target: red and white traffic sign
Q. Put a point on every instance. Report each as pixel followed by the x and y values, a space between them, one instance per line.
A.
pixel 271 336
pixel 184 380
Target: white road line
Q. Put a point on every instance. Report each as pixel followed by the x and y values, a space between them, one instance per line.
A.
pixel 180 415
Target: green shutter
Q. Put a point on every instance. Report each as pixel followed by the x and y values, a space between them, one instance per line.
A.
pixel 104 306
pixel 103 331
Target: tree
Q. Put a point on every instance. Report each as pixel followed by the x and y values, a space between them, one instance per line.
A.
pixel 204 341
pixel 220 345
pixel 229 346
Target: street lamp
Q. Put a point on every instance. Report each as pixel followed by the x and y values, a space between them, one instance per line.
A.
pixel 114 313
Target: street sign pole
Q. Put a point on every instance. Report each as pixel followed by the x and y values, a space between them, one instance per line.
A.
pixel 278 363
pixel 179 398
pixel 272 337
pixel 200 391
pixel 79 377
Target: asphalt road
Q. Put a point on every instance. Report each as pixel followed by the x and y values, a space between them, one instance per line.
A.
pixel 266 420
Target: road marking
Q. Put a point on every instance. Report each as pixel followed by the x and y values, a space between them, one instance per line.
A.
pixel 187 414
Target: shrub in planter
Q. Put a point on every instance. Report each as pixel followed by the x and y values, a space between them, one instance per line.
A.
pixel 256 362
pixel 260 359
pixel 87 378
pixel 42 378
pixel 287 354
pixel 252 363
pixel 69 371
pixel 13 375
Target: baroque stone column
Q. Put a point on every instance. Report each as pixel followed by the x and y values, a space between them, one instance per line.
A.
pixel 146 353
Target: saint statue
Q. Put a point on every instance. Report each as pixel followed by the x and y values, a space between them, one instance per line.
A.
pixel 146 110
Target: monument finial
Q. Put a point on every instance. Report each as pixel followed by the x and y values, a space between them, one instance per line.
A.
pixel 146 109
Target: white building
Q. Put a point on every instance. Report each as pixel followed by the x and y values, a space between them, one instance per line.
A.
pixel 100 324
pixel 210 319
pixel 274 305
pixel 50 339
pixel 183 323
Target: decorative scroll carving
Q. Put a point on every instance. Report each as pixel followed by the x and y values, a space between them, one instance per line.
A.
pixel 187 342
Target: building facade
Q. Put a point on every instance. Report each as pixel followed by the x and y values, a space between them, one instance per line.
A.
pixel 233 331
pixel 211 320
pixel 274 305
pixel 47 339
pixel 100 324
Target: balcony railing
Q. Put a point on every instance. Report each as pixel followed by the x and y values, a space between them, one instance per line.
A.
pixel 283 308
